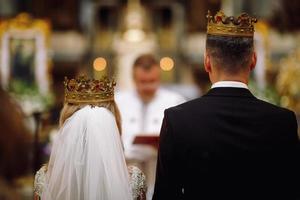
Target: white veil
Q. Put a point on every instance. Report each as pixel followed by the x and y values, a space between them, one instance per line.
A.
pixel 87 160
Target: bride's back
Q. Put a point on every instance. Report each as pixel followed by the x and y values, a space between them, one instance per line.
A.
pixel 87 159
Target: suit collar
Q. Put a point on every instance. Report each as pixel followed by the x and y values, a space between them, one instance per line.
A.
pixel 230 92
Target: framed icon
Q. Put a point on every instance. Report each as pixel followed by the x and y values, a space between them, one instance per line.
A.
pixel 24 52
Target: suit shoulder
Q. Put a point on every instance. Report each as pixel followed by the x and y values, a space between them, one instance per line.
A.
pixel 275 108
pixel 185 106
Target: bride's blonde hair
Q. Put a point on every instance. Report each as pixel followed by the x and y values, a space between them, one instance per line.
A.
pixel 69 109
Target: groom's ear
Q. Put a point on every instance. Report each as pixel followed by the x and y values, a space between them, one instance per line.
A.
pixel 207 62
pixel 253 61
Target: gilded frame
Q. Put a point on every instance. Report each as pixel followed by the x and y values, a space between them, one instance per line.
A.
pixel 31 35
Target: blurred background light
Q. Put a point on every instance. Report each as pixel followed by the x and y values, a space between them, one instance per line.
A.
pixel 166 64
pixel 134 35
pixel 99 64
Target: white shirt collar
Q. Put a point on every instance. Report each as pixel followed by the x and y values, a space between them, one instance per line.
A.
pixel 234 84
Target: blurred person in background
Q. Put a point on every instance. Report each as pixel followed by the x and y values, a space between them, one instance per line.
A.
pixel 142 113
pixel 15 146
pixel 201 79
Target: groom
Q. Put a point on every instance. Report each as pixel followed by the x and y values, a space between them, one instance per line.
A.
pixel 228 144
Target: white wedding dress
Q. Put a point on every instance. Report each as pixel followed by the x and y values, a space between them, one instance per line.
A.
pixel 87 162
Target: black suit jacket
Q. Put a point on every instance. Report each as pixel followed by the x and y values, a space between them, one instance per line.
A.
pixel 228 145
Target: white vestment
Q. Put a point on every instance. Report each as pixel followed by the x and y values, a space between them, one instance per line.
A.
pixel 139 118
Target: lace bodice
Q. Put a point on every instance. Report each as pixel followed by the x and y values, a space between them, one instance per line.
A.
pixel 136 176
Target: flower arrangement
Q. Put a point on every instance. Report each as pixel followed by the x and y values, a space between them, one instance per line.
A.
pixel 29 97
pixel 288 81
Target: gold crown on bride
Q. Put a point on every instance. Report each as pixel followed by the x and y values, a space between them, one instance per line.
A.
pixel 89 91
pixel 220 24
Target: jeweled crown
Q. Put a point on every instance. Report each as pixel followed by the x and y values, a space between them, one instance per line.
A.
pixel 220 24
pixel 89 91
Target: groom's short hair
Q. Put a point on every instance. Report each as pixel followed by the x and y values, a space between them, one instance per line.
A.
pixel 231 53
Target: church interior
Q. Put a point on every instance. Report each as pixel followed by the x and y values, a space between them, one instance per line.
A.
pixel 44 41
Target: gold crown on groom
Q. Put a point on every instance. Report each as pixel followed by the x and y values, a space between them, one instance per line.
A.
pixel 220 24
pixel 89 91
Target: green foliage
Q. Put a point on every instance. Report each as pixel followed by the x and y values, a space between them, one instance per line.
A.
pixel 24 92
pixel 269 93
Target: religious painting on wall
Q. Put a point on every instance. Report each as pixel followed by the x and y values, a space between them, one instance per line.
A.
pixel 22 57
pixel 24 60
pixel 24 53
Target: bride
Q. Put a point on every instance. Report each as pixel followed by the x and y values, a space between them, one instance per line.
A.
pixel 87 160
